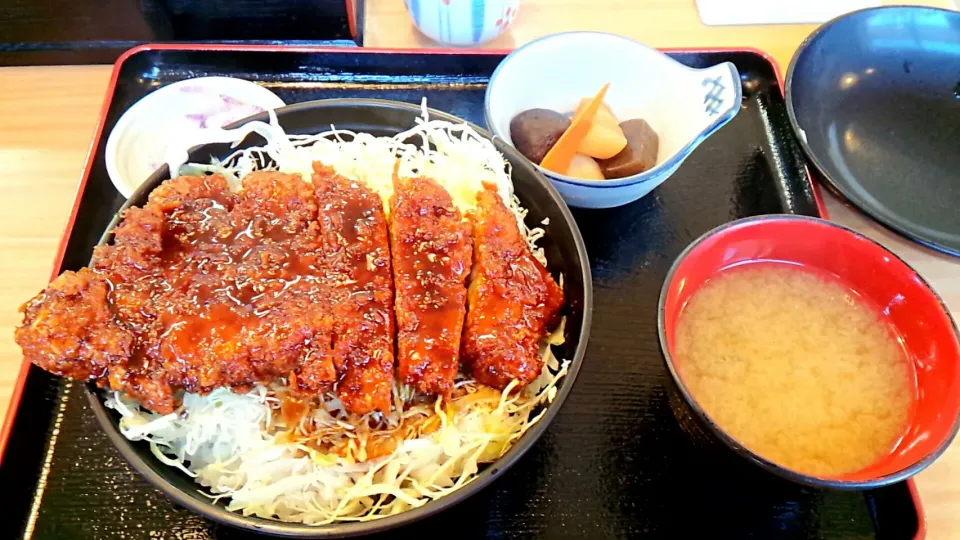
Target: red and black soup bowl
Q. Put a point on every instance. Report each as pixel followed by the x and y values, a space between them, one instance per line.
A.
pixel 882 279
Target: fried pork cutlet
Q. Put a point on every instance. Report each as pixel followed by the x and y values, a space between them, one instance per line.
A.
pixel 432 254
pixel 70 330
pixel 248 313
pixel 355 243
pixel 512 302
pixel 203 288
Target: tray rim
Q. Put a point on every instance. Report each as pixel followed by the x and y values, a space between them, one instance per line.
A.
pixel 96 141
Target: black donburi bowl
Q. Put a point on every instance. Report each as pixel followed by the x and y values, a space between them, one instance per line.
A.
pixel 565 254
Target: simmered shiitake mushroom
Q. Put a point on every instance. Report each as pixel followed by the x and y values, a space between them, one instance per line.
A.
pixel 534 132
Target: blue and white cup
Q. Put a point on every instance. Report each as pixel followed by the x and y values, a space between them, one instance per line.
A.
pixel 462 23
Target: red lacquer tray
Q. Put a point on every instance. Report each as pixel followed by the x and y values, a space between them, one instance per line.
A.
pixel 614 463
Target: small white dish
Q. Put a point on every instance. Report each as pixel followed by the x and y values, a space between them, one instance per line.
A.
pixel 683 105
pixel 174 118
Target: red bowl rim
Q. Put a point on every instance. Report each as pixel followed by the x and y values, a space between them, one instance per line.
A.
pixel 732 443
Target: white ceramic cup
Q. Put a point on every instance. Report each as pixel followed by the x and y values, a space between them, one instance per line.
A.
pixel 462 23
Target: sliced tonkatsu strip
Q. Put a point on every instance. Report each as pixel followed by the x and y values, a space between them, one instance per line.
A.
pixel 278 283
pixel 233 311
pixel 512 303
pixel 432 253
pixel 354 239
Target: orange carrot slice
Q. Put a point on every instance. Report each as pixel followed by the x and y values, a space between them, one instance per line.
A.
pixel 559 157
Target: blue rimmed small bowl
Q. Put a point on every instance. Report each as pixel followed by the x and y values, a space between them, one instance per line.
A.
pixel 682 104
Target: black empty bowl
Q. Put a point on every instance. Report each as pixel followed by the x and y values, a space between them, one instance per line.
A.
pixel 874 97
pixel 565 253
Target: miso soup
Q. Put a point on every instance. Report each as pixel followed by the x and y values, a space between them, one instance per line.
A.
pixel 796 367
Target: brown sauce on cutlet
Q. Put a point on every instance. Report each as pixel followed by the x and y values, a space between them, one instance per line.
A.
pixel 208 288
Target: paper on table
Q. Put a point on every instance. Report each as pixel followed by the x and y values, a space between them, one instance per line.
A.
pixel 736 12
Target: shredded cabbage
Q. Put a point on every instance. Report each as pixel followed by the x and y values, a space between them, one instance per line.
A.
pixel 330 466
pixel 237 446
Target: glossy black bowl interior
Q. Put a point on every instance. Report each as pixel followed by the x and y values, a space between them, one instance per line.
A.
pixel 565 254
pixel 875 99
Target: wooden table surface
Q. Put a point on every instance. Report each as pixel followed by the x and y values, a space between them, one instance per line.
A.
pixel 48 115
